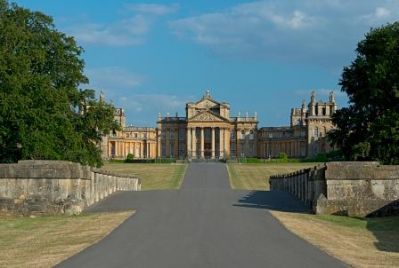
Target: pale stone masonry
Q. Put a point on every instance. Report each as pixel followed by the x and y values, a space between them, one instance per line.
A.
pixel 357 189
pixel 57 187
pixel 208 131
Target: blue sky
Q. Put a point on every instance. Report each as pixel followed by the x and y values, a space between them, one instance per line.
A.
pixel 260 56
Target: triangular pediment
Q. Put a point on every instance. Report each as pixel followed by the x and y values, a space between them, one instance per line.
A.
pixel 207 103
pixel 207 117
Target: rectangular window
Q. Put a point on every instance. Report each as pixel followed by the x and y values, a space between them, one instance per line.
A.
pixel 182 134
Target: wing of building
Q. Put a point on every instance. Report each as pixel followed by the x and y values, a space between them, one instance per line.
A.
pixel 209 132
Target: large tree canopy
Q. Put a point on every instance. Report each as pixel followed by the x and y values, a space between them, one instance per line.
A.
pixel 43 112
pixel 369 127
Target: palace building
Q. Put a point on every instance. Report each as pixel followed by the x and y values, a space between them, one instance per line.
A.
pixel 208 131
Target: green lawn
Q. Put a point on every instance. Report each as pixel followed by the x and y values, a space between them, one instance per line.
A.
pixel 153 176
pixel 256 176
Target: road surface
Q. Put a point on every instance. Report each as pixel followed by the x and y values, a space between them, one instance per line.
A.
pixel 204 224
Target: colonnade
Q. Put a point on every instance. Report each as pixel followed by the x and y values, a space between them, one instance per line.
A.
pixel 293 148
pixel 140 149
pixel 193 140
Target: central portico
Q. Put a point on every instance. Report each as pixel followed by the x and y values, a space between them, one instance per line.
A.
pixel 207 132
pixel 208 129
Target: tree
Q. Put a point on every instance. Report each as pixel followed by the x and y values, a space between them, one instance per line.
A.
pixel 43 112
pixel 369 127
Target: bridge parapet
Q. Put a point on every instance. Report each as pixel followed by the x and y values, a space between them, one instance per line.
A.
pixel 57 187
pixel 344 188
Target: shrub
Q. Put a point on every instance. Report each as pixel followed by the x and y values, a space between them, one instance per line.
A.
pixel 129 157
pixel 283 156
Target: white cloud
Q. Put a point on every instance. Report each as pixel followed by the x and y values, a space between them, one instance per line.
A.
pixel 267 11
pixel 124 89
pixel 112 79
pixel 154 102
pixel 129 31
pixel 126 32
pixel 379 15
pixel 154 9
pixel 308 31
pixel 143 108
pixel 382 12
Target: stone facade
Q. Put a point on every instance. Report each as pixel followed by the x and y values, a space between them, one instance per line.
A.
pixel 345 188
pixel 208 131
pixel 141 142
pixel 56 187
pixel 306 135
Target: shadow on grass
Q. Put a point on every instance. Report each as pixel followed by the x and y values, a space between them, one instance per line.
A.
pixel 385 229
pixel 272 200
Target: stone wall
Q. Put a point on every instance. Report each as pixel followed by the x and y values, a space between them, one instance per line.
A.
pixel 57 187
pixel 306 184
pixel 345 188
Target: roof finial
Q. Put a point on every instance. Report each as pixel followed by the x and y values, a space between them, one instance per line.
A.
pixel 313 96
pixel 332 96
pixel 208 94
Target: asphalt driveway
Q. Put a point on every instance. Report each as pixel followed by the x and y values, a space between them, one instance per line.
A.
pixel 204 224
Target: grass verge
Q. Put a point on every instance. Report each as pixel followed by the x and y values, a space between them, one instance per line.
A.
pixel 358 242
pixel 47 240
pixel 153 176
pixel 256 176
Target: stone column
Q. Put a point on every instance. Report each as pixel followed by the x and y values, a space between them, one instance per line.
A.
pixel 213 143
pixel 176 149
pixel 159 143
pixel 238 143
pixel 117 149
pixel 221 142
pixel 167 143
pixel 227 143
pixel 202 143
pixel 194 143
pixel 188 139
